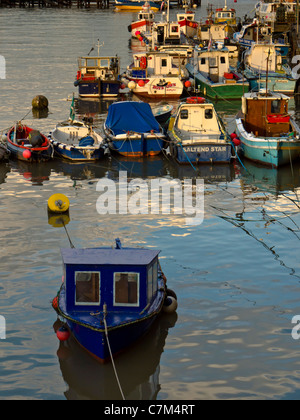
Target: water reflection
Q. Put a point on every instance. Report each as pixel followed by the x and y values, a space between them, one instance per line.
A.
pixel 89 380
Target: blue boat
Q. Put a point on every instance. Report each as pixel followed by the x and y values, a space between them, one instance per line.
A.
pixel 197 134
pixel 131 130
pixel 111 297
pixel 98 77
pixel 267 133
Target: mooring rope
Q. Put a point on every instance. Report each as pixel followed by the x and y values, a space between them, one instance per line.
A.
pixel 110 352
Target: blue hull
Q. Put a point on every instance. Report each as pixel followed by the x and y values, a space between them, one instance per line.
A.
pixel 98 88
pixel 77 154
pixel 277 84
pixel 204 153
pixel 137 147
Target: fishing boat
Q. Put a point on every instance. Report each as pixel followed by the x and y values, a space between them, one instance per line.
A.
pixel 276 11
pixel 76 141
pixel 256 32
pixel 225 14
pixel 144 22
pixel 197 134
pixel 213 75
pixel 154 75
pixel 98 77
pixel 263 62
pixel 110 297
pixel 187 22
pixel 132 130
pixel 25 143
pixel 132 5
pixel 267 132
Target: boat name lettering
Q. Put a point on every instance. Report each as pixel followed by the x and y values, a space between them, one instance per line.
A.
pixel 205 149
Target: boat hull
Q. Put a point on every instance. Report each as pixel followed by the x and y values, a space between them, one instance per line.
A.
pixel 218 91
pixel 132 5
pixel 158 87
pixel 270 151
pixel 202 153
pixel 98 88
pixel 141 146
pixel 38 154
pixel 278 84
pixel 77 154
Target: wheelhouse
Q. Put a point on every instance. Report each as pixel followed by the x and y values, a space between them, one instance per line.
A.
pixel 122 279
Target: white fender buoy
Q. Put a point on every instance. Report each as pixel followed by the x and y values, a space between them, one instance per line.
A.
pixel 170 305
pixel 131 85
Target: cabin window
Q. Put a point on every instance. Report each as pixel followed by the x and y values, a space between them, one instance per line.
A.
pixel 212 62
pixel 208 114
pixel 275 107
pixel 222 60
pixel 163 62
pixel 87 286
pixel 184 114
pixel 126 289
pixel 174 29
pixel 202 60
pixel 104 63
pixel 152 281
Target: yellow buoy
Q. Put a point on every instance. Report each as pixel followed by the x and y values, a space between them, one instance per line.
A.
pixel 58 220
pixel 58 203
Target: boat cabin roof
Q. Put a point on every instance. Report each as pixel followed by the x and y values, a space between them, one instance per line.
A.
pixel 262 95
pixel 108 256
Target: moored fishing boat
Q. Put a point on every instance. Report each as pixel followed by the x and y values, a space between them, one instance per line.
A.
pixel 154 75
pixel 132 130
pixel 213 75
pixel 98 76
pixel 110 297
pixel 267 132
pixel 197 134
pixel 25 143
pixel 263 64
pixel 144 21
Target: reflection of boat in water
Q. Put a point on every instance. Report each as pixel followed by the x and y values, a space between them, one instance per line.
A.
pixel 209 173
pixel 36 174
pixel 138 370
pixel 285 178
pixel 4 170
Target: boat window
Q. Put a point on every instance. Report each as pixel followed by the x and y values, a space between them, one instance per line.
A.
pixel 181 18
pixel 152 281
pixel 212 61
pixel 184 114
pixel 174 29
pixel 87 285
pixel 91 62
pixel 275 107
pixel 202 60
pixel 208 114
pixel 222 60
pixel 126 289
pixel 163 62
pixel 104 63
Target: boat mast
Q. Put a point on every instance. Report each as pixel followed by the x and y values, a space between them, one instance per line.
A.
pixel 267 70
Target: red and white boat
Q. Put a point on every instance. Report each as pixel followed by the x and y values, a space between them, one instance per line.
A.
pixel 144 23
pixel 187 23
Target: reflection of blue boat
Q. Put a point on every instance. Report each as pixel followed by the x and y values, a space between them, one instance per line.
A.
pixel 267 133
pixel 132 130
pixel 110 297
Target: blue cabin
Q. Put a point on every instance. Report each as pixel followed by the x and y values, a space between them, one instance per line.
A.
pixel 123 279
pixel 110 297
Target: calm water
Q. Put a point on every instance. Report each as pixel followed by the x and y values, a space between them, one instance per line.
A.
pixel 236 275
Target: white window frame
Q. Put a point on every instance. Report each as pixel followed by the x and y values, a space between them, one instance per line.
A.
pixel 87 303
pixel 132 305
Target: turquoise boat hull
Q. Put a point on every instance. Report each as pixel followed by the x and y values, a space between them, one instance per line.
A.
pixel 268 151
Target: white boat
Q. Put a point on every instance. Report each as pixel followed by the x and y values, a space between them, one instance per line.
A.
pixel 154 75
pixel 76 141
pixel 187 22
pixel 144 22
pixel 269 12
pixel 263 62
pixel 197 134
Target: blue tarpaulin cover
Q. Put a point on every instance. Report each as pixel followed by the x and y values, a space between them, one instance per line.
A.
pixel 131 116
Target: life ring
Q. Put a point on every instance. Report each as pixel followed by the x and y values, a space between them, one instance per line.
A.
pixel 195 100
